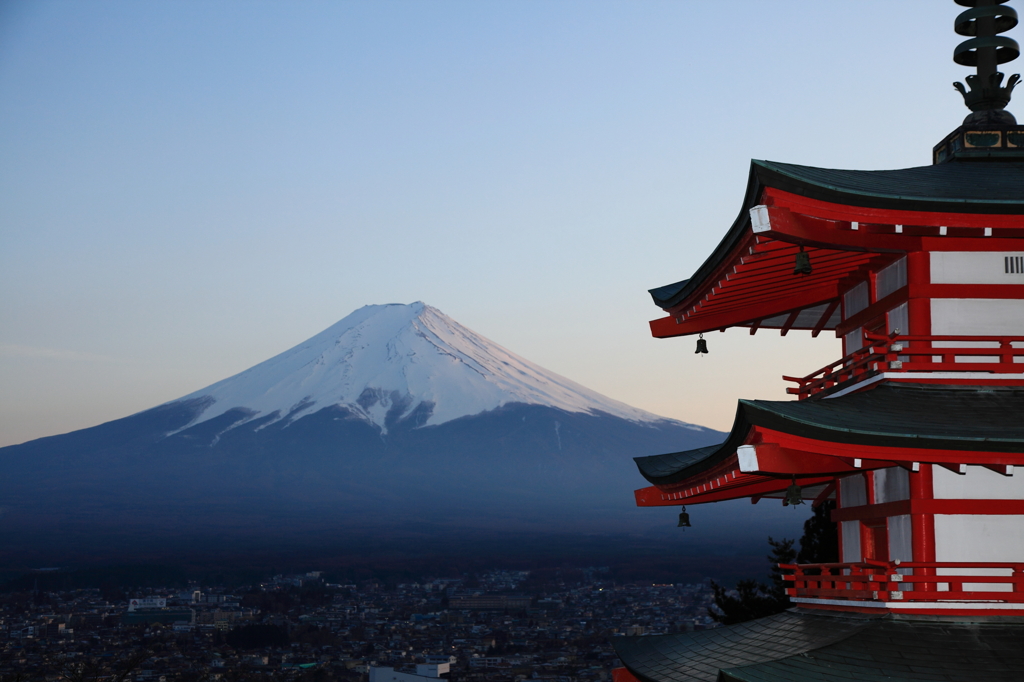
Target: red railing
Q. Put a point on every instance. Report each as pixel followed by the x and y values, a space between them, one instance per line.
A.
pixel 895 353
pixel 908 581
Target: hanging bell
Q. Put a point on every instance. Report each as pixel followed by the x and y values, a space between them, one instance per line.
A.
pixel 793 495
pixel 702 346
pixel 803 263
pixel 684 519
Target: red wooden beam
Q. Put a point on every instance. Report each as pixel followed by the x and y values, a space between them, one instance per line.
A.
pixel 880 307
pixel 761 285
pixel 788 226
pixel 783 252
pixel 769 458
pixel 933 506
pixel 751 273
pixel 823 320
pixel 758 487
pixel 667 327
pixel 777 485
pixel 771 299
pixel 974 243
pixel 884 216
pixel 823 495
pixel 783 263
pixel 872 511
pixel 967 290
pixel 766 297
pixel 781 271
pixel 790 321
pixel 889 454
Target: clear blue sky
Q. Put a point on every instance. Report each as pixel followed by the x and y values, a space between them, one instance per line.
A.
pixel 188 188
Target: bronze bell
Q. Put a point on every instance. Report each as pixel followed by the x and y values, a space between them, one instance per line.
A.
pixel 793 495
pixel 684 519
pixel 803 263
pixel 702 346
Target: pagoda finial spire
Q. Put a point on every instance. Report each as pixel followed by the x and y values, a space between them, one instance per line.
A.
pixel 986 49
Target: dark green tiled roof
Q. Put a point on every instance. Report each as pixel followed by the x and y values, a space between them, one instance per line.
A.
pixel 980 419
pixel 802 644
pixel 911 651
pixel 659 466
pixel 960 187
pixel 699 655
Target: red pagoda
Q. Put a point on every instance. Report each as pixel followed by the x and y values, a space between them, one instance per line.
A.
pixel 914 434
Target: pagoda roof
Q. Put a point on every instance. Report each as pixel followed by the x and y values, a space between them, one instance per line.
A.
pixel 897 415
pixel 964 187
pixel 848 222
pixel 803 645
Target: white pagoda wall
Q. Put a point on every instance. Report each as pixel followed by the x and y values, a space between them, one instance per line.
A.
pixel 851 541
pixel 892 485
pixel 900 539
pixel 973 267
pixel 978 483
pixel 978 537
pixel 852 493
pixel 975 316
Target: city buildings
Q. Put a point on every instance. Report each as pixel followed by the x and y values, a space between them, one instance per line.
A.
pixel 303 627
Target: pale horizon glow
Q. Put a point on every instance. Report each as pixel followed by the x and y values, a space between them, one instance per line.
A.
pixel 189 189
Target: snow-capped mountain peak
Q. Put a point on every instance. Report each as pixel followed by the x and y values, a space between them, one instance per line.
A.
pixel 391 362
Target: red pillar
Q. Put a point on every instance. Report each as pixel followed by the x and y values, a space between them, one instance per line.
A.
pixel 919 310
pixel 923 525
pixel 867 538
pixel 839 526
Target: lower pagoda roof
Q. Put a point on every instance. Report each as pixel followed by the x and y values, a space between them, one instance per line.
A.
pixel 915 416
pixel 820 645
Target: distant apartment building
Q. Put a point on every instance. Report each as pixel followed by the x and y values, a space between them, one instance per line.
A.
pixel 488 602
pixel 424 671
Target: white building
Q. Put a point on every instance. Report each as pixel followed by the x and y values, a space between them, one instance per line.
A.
pixel 424 671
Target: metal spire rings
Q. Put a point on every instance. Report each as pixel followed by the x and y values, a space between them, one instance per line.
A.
pixel 986 49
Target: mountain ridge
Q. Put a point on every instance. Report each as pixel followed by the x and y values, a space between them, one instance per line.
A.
pixel 392 362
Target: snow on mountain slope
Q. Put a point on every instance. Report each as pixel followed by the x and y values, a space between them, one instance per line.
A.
pixel 387 361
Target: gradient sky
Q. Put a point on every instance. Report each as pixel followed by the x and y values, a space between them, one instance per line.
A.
pixel 188 188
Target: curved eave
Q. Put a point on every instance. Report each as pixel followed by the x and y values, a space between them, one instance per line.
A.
pixel 672 294
pixel 675 467
pixel 964 188
pixel 908 417
pixel 988 188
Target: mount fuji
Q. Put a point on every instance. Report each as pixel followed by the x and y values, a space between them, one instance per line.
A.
pixel 395 416
pixel 389 364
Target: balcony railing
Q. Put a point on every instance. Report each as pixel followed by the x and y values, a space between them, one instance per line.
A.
pixel 908 581
pixel 895 353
